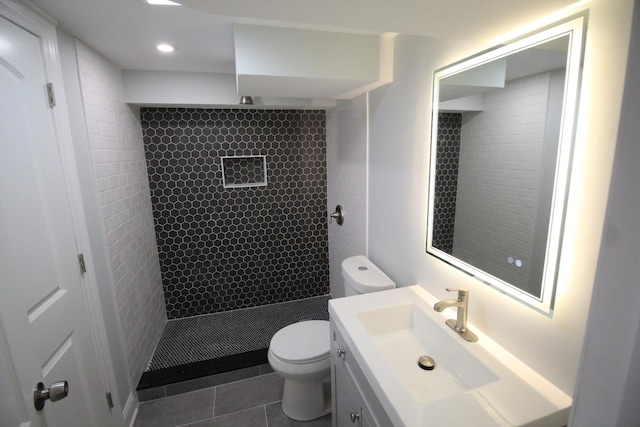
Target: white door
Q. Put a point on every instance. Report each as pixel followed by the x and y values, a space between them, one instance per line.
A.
pixel 45 328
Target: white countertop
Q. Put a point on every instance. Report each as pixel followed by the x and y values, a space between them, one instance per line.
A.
pixel 474 384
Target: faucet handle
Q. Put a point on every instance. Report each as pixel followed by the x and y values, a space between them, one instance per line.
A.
pixel 461 291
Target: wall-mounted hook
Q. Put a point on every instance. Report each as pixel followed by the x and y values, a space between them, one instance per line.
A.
pixel 338 215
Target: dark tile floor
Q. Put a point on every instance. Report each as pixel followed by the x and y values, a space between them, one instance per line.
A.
pixel 252 402
pixel 247 396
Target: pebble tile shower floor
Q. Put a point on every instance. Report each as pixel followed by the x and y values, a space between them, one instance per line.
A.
pixel 224 341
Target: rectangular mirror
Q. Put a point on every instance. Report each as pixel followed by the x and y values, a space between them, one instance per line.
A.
pixel 501 142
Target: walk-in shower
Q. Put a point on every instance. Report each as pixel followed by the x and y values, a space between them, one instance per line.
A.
pixel 239 202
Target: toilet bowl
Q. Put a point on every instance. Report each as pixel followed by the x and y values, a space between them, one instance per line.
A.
pixel 300 352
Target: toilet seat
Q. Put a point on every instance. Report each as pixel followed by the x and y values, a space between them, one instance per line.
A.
pixel 302 342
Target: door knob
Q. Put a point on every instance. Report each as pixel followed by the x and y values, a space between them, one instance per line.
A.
pixel 58 390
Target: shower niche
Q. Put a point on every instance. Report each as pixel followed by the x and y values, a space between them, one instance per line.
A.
pixel 244 171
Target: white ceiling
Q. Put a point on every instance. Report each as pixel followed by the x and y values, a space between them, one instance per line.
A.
pixel 127 31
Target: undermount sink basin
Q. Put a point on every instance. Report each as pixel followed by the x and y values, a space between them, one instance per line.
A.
pixel 479 384
pixel 403 333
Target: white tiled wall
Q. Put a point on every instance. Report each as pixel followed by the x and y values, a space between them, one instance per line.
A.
pixel 347 185
pixel 498 179
pixel 115 137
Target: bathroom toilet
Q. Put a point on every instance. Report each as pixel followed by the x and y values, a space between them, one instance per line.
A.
pixel 300 352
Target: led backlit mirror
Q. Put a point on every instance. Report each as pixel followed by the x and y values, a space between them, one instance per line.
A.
pixel 501 143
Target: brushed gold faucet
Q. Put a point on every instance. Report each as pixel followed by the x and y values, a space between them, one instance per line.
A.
pixel 460 324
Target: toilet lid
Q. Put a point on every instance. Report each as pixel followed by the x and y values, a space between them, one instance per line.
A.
pixel 302 342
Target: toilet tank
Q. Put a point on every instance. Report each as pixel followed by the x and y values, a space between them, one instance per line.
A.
pixel 361 276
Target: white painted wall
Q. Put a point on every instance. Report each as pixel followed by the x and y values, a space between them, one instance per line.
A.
pixel 608 391
pixel 191 89
pixel 299 63
pixel 399 124
pixel 346 185
pixel 145 87
pixel 293 52
pixel 119 168
pixel 398 158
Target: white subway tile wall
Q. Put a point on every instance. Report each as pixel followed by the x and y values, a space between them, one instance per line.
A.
pixel 347 185
pixel 498 181
pixel 115 137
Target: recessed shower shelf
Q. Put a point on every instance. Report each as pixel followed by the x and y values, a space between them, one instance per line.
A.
pixel 244 171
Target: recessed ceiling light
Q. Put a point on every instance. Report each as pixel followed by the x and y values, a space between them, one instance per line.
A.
pixel 163 3
pixel 165 48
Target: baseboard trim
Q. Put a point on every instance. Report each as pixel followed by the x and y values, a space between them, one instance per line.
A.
pixel 130 409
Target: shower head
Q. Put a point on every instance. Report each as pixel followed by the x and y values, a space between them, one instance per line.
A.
pixel 246 100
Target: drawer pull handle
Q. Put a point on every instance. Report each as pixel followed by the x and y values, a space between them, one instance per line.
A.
pixel 340 352
pixel 355 417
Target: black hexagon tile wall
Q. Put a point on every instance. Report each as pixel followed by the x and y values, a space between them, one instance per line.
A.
pixel 447 160
pixel 260 241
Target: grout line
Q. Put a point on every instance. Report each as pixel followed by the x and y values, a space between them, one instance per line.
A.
pixel 246 379
pixel 215 395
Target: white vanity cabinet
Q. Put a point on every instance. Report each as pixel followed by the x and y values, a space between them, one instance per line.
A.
pixel 376 342
pixel 354 403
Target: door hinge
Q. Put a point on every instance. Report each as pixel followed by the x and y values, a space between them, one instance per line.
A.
pixel 109 400
pixel 51 96
pixel 83 266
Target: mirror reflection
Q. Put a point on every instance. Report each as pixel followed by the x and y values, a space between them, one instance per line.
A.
pixel 495 166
